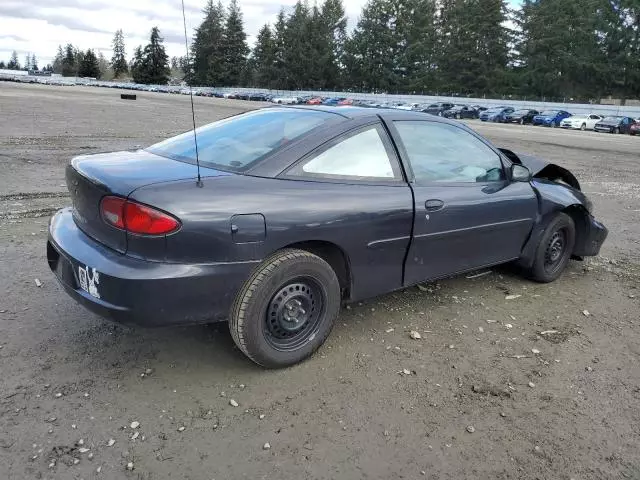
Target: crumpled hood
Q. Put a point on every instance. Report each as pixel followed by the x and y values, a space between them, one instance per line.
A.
pixel 543 169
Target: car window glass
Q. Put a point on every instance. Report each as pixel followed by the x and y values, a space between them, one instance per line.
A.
pixel 362 155
pixel 439 152
pixel 238 142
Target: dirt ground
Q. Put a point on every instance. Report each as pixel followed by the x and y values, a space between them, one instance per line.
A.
pixel 542 386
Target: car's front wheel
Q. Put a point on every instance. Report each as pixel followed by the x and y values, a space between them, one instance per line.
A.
pixel 554 250
pixel 583 126
pixel 286 309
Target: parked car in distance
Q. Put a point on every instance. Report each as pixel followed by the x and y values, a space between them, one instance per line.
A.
pixel 315 101
pixel 550 118
pixel 581 122
pixel 333 101
pixel 614 124
pixel 405 198
pixel 522 116
pixel 285 100
pixel 496 114
pixel 437 108
pixel 635 128
pixel 461 111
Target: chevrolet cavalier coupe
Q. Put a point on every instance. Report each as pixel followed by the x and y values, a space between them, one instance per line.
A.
pixel 294 210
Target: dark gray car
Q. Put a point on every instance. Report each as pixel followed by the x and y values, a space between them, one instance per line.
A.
pixel 300 209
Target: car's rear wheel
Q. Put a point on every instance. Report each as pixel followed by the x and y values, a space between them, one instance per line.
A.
pixel 286 309
pixel 554 250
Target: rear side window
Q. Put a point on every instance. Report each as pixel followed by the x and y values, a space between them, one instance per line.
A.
pixel 236 143
pixel 360 155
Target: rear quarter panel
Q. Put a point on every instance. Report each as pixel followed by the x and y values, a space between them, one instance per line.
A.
pixel 371 224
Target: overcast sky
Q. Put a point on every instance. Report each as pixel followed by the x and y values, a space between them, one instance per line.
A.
pixel 39 26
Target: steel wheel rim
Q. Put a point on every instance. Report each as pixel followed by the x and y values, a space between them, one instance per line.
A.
pixel 555 250
pixel 294 314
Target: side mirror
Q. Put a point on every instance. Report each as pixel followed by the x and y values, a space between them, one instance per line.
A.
pixel 520 173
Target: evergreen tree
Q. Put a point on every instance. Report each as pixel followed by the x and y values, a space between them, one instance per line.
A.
pixel 58 60
pixel 13 63
pixel 2 65
pixel 281 67
pixel 79 58
pixel 103 66
pixel 34 62
pixel 135 67
pixel 207 49
pixel 27 62
pixel 328 34
pixel 420 51
pixel 619 36
pixel 372 50
pixel 474 46
pixel 559 47
pixel 264 59
pixel 151 64
pixel 298 48
pixel 118 60
pixel 68 67
pixel 89 66
pixel 235 47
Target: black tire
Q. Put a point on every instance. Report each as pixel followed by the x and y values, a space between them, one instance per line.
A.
pixel 583 127
pixel 522 121
pixel 260 321
pixel 458 116
pixel 616 130
pixel 549 262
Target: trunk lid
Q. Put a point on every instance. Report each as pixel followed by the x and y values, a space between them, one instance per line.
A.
pixel 91 177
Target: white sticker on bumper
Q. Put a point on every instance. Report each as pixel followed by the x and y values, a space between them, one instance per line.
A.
pixel 89 280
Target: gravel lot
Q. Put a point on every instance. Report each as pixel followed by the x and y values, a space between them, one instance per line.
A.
pixel 542 386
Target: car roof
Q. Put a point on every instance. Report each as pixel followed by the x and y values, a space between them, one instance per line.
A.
pixel 353 112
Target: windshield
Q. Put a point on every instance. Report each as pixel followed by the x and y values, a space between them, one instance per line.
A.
pixel 549 113
pixel 494 110
pixel 612 119
pixel 235 143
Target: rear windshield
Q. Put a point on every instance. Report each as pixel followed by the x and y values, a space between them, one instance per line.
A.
pixel 236 143
pixel 612 119
pixel 549 113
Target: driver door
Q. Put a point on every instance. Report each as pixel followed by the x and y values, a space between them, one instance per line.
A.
pixel 467 213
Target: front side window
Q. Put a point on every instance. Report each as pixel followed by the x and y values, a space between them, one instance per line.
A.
pixel 439 152
pixel 360 156
pixel 236 143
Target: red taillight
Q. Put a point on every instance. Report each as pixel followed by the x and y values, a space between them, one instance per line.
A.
pixel 136 218
pixel 112 209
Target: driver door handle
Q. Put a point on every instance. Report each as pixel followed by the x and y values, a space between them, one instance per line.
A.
pixel 433 205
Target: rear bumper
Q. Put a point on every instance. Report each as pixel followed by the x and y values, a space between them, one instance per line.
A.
pixel 135 291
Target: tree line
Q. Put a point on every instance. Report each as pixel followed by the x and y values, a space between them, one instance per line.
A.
pixel 546 48
pixel 581 49
pixel 30 62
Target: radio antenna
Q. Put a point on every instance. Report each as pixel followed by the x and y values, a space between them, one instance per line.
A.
pixel 193 112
